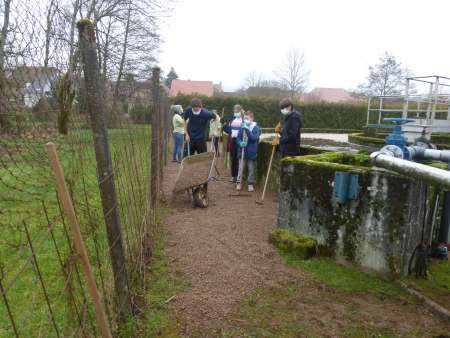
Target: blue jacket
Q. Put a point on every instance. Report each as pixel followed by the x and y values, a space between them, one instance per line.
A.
pixel 198 124
pixel 251 150
pixel 290 135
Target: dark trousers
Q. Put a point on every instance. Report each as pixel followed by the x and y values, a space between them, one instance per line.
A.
pixel 195 146
pixel 215 141
pixel 234 158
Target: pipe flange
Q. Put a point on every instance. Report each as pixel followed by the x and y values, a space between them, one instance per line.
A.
pixel 392 150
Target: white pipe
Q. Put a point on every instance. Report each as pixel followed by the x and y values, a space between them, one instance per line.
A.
pixel 429 154
pixel 439 155
pixel 412 169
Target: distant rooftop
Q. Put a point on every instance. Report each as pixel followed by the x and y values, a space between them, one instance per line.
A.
pixel 188 87
pixel 329 95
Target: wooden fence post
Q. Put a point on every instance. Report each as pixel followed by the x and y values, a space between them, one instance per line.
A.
pixel 96 109
pixel 155 149
pixel 67 204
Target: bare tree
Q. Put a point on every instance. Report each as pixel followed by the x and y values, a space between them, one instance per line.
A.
pixel 293 75
pixel 51 12
pixel 3 37
pixel 76 7
pixel 4 33
pixel 385 78
pixel 255 79
pixel 124 50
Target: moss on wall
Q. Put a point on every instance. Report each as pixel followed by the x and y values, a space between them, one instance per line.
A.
pixel 263 159
pixel 291 242
pixel 378 220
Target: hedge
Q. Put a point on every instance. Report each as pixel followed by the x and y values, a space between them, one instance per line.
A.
pixel 361 138
pixel 440 138
pixel 318 115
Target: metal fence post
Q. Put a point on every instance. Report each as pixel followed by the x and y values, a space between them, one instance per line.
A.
pixel 96 109
pixel 155 158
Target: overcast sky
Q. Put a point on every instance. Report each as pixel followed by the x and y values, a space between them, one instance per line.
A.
pixel 223 40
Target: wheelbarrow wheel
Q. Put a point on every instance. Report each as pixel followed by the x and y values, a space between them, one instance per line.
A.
pixel 200 195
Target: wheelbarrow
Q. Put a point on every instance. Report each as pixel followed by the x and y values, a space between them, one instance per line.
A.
pixel 193 176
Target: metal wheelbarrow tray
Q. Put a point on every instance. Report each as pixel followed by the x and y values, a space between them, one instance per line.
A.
pixel 194 174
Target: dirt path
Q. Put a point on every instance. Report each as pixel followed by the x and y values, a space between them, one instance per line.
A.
pixel 223 255
pixel 222 251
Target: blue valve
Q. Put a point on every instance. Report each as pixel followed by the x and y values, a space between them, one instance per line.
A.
pixel 397 120
pixel 397 138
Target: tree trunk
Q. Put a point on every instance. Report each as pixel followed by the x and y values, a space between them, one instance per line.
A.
pixel 124 54
pixel 48 30
pixel 96 109
pixel 4 125
pixel 73 21
pixel 105 51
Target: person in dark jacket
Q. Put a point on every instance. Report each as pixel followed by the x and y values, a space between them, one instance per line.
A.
pixel 197 120
pixel 250 149
pixel 232 129
pixel 289 140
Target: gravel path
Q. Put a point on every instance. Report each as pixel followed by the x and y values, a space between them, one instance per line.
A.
pixel 222 251
pixel 223 255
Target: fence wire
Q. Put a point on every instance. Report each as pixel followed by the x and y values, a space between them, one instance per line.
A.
pixel 43 98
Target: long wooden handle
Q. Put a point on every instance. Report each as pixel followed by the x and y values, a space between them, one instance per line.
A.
pixel 268 173
pixel 69 210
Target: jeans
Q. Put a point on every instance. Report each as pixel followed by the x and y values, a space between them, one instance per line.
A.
pixel 251 164
pixel 178 139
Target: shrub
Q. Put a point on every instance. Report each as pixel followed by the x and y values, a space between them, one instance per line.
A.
pixel 440 138
pixel 314 114
pixel 140 114
pixel 290 242
pixel 360 138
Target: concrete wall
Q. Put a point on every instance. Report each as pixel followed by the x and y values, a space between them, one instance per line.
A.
pixel 263 159
pixel 379 230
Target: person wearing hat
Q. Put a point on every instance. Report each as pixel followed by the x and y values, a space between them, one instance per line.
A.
pixel 289 139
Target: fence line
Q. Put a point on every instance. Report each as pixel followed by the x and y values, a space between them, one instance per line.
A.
pixel 52 93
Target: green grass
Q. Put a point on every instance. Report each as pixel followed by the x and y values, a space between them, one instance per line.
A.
pixel 296 310
pixel 163 286
pixel 437 285
pixel 156 320
pixel 26 181
pixel 344 278
pixel 284 312
pixel 361 332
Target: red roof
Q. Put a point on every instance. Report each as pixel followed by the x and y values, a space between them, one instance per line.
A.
pixel 188 87
pixel 328 95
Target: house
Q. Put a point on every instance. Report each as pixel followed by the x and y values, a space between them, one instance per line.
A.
pixel 328 95
pixel 31 84
pixel 200 88
pixel 136 92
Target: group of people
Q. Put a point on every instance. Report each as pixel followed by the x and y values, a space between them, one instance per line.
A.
pixel 190 129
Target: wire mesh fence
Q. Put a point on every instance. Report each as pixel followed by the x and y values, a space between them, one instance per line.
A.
pixel 45 96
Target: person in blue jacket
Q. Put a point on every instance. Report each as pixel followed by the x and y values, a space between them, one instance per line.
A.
pixel 197 120
pixel 251 132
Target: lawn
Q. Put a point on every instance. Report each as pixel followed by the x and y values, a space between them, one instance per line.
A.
pixel 28 199
pixel 334 301
pixel 437 285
